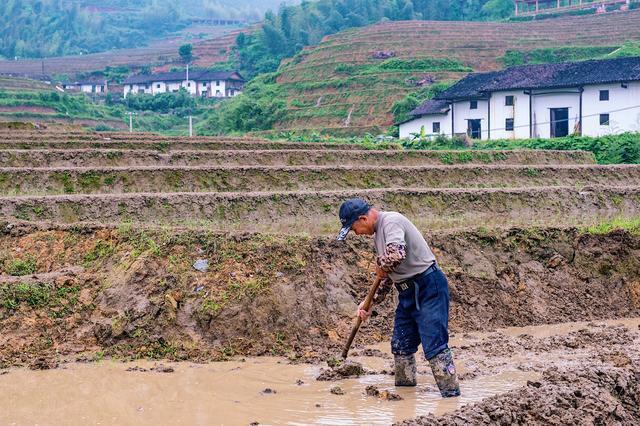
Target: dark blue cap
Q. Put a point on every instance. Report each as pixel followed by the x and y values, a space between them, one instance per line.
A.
pixel 350 211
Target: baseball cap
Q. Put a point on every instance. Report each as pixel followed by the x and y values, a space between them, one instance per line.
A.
pixel 350 211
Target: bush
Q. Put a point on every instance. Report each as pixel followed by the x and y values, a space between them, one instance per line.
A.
pixel 162 102
pixel 613 149
pixel 555 54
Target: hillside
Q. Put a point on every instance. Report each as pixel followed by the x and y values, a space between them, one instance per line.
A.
pixel 211 46
pixel 339 87
pixel 38 29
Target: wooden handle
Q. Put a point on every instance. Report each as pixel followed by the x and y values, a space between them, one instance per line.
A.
pixel 367 304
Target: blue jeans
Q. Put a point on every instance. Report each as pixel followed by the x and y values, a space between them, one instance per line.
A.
pixel 422 316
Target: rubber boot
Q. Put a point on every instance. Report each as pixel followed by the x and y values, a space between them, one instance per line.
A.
pixel 405 370
pixel 444 371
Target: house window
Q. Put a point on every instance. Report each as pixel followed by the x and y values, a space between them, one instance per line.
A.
pixel 204 84
pixel 508 100
pixel 217 82
pixel 604 95
pixel 508 124
pixel 436 127
pixel 158 86
pixel 473 105
pixel 604 119
pixel 189 84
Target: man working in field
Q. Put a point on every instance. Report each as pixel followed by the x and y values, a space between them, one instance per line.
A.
pixel 422 315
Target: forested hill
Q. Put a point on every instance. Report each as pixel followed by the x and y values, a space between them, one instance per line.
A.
pixel 44 28
pixel 290 29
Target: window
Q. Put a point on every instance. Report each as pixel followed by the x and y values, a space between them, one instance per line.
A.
pixel 217 82
pixel 508 124
pixel 189 84
pixel 436 127
pixel 204 84
pixel 473 105
pixel 604 95
pixel 158 86
pixel 604 119
pixel 508 100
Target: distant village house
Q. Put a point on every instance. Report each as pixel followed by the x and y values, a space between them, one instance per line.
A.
pixel 87 86
pixel 209 84
pixel 591 98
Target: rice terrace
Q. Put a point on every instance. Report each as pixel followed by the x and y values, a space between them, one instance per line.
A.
pixel 160 266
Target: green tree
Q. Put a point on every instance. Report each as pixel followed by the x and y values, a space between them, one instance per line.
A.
pixel 496 9
pixel 186 53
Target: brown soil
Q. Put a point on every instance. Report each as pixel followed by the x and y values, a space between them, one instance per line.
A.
pixel 217 154
pixel 135 294
pixel 592 394
pixel 51 181
pixel 315 212
pixel 27 108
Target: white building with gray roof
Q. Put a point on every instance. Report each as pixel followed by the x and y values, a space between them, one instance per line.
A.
pixel 209 84
pixel 591 98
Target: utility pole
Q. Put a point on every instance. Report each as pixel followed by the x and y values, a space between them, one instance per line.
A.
pixel 131 114
pixel 190 126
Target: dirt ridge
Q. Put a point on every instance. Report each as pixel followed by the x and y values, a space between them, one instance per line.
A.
pixel 314 211
pixel 91 157
pixel 167 179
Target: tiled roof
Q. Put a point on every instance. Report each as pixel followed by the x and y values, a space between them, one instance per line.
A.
pixel 546 76
pixel 431 107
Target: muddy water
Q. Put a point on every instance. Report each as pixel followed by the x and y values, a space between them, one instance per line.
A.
pixel 218 393
pixel 232 393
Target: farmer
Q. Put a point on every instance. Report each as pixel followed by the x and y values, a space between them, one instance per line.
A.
pixel 405 260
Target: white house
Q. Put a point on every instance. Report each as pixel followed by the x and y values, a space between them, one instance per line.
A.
pixel 591 98
pixel 88 86
pixel 209 84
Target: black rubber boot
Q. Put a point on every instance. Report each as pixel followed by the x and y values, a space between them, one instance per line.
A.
pixel 405 370
pixel 444 371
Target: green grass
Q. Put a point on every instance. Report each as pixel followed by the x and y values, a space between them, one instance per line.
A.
pixel 20 267
pixel 549 55
pixel 58 302
pixel 100 250
pixel 424 64
pixel 628 224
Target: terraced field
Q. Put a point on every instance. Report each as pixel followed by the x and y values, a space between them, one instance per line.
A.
pixel 328 87
pixel 254 185
pixel 103 238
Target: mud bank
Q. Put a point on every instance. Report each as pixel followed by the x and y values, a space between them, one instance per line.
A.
pixel 587 395
pixel 131 154
pixel 314 212
pixel 52 181
pixel 128 293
